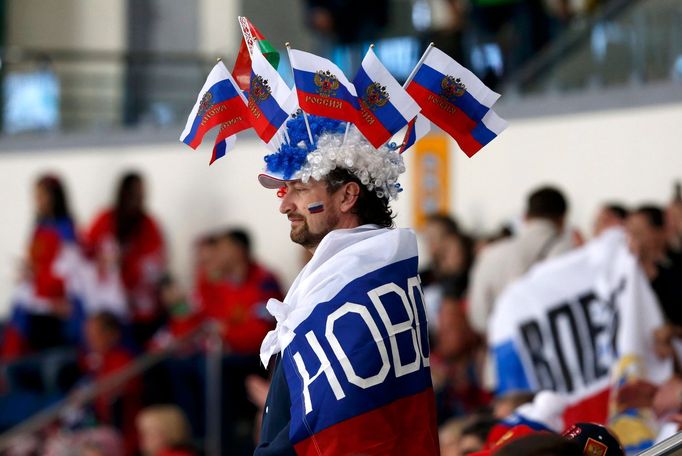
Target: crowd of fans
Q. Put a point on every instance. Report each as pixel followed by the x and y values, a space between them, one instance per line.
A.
pixel 494 38
pixel 91 300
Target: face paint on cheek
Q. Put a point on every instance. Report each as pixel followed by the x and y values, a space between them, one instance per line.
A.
pixel 316 208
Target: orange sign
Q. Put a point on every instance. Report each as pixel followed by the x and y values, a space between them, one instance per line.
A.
pixel 431 178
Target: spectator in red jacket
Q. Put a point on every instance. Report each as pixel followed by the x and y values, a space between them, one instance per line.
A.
pixel 234 290
pixel 105 356
pixel 40 307
pixel 128 229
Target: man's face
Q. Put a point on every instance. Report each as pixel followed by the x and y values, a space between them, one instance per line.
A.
pixel 646 241
pixel 312 211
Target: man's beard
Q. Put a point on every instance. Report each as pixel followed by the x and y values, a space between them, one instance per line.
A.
pixel 302 235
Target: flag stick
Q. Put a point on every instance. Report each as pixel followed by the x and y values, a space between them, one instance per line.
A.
pixel 286 135
pixel 305 117
pixel 419 63
pixel 345 135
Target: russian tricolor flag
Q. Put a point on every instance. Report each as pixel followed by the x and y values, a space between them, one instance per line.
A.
pixel 218 102
pixel 385 107
pixel 322 87
pixel 457 101
pixel 222 147
pixel 270 100
pixel 417 128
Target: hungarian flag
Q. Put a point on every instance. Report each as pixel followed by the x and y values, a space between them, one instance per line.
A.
pixel 251 37
pixel 385 107
pixel 457 101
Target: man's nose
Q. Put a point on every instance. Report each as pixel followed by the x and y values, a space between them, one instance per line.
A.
pixel 285 206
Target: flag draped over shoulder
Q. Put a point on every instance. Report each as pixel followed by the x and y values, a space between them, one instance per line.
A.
pixel 322 88
pixel 270 100
pixel 457 101
pixel 571 321
pixel 219 103
pixel 353 336
pixel 385 107
pixel 251 38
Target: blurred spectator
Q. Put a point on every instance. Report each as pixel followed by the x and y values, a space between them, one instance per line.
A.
pixel 436 229
pixel 506 404
pixel 104 357
pixel 234 291
pixel 40 305
pixel 128 232
pixel 609 216
pixel 449 435
pixel 456 364
pixel 347 21
pixel 475 434
pixel 540 237
pixel 164 431
pixel 648 241
pixel 674 220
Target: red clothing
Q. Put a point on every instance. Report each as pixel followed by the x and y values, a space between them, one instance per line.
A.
pixel 240 307
pixel 142 260
pixel 117 407
pixel 46 244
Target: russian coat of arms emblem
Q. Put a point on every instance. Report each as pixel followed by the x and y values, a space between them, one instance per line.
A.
pixel 452 87
pixel 206 103
pixel 375 96
pixel 259 89
pixel 326 83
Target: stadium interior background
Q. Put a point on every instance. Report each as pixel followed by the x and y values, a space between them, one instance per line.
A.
pixel 91 89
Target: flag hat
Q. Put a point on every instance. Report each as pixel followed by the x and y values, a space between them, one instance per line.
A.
pixel 377 169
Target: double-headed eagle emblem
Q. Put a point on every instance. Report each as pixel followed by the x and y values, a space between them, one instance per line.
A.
pixel 375 96
pixel 260 89
pixel 326 83
pixel 206 103
pixel 452 87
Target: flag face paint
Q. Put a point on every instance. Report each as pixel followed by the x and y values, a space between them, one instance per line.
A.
pixel 316 208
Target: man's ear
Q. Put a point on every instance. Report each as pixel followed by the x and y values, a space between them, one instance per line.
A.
pixel 349 194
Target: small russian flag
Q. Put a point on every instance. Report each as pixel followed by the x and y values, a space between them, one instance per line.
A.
pixel 417 128
pixel 457 101
pixel 322 87
pixel 270 100
pixel 219 102
pixel 385 107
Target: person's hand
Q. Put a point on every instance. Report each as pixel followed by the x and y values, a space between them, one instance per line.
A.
pixel 637 394
pixel 663 341
pixel 668 398
pixel 257 389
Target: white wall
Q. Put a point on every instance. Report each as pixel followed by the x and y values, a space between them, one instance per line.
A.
pixel 629 155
